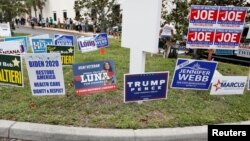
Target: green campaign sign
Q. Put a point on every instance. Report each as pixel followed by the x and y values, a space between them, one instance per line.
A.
pixel 67 53
pixel 11 70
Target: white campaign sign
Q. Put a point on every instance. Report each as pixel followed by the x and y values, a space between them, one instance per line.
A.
pixel 140 30
pixel 5 30
pixel 244 51
pixel 11 47
pixel 86 44
pixel 228 85
pixel 44 36
pixel 45 74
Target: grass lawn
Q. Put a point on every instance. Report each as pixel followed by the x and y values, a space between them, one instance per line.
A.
pixel 107 110
pixel 21 34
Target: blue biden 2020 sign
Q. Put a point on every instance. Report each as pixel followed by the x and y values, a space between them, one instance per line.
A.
pixel 146 86
pixel 193 74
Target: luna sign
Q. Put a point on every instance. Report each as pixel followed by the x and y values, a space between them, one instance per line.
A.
pixel 146 86
pixel 193 74
pixel 94 77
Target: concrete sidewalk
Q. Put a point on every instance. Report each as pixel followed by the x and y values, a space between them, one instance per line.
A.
pixel 43 132
pixel 66 31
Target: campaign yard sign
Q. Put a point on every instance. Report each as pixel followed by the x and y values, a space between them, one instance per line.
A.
pixel 229 85
pixel 215 27
pixel 11 47
pixel 203 16
pixel 67 53
pixel 232 17
pixel 11 71
pixel 23 39
pixel 101 40
pixel 200 38
pixel 43 36
pixel 40 45
pixel 193 74
pixel 94 77
pixel 45 74
pixel 224 52
pixel 92 43
pixel 248 88
pixel 244 51
pixel 64 40
pixel 86 44
pixel 5 30
pixel 146 86
pixel 227 38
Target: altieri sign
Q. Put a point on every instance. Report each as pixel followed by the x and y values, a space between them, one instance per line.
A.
pixel 214 27
pixel 229 85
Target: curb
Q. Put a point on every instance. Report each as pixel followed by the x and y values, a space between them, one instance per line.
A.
pixel 44 132
pixel 5 126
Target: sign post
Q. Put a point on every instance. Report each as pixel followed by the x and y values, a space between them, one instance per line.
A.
pixel 141 34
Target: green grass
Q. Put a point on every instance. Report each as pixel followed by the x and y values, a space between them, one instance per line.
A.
pixel 107 110
pixel 21 34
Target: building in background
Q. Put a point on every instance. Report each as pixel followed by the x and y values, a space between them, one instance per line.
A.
pixel 60 9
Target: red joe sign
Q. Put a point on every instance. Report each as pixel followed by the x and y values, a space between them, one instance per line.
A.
pixel 204 15
pixel 213 27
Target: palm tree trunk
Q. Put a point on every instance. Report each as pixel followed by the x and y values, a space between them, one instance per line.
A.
pixel 35 14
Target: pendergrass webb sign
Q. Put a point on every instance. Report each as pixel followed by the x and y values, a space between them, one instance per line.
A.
pixel 45 74
pixel 94 77
pixel 11 70
pixel 146 86
pixel 193 74
pixel 67 53
pixel 63 40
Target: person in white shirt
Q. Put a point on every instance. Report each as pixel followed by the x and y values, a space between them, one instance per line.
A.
pixel 166 34
pixel 166 31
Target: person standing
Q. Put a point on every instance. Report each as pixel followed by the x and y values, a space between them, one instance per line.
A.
pixel 51 22
pixel 166 35
pixel 47 22
pixel 94 26
pixel 68 23
pixel 86 25
pixel 71 24
pixel 83 25
pixel 43 22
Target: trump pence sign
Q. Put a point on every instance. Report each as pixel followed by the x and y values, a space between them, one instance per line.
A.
pixel 146 86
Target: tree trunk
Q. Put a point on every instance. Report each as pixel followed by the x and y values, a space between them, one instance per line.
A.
pixel 41 12
pixel 35 14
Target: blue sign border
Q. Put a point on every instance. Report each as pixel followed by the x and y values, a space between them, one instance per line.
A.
pixel 148 99
pixel 24 38
pixel 64 35
pixel 190 88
